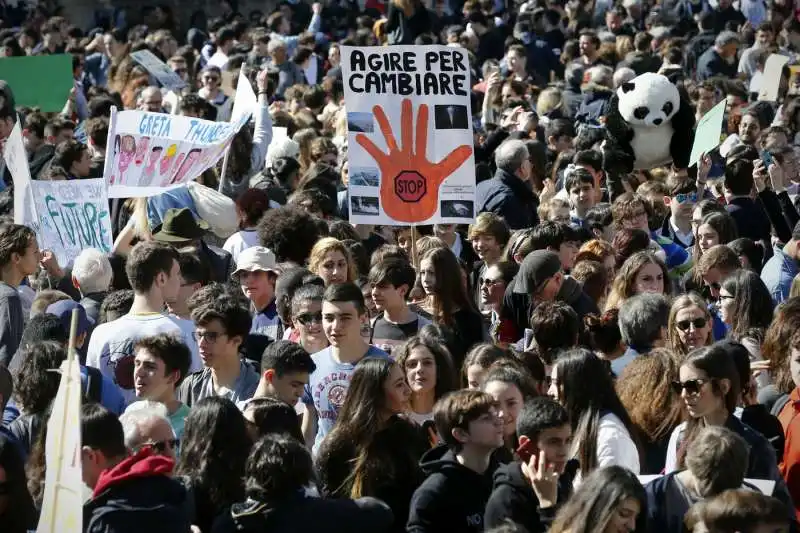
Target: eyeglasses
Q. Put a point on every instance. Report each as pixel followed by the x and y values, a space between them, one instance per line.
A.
pixel 307 319
pixel 209 336
pixel 691 386
pixel 490 282
pixel 698 323
pixel 162 446
pixel 683 197
pixel 209 79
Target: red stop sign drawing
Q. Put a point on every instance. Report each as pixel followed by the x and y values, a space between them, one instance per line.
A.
pixel 410 186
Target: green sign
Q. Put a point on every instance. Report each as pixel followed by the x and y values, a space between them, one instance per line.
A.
pixel 39 81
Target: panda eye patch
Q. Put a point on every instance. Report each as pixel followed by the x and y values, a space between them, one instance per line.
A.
pixel 668 107
pixel 640 112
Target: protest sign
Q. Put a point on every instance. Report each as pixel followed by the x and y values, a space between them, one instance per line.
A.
pixel 39 81
pixel 17 163
pixel 62 503
pixel 71 216
pixel 709 130
pixel 149 153
pixel 771 77
pixel 160 71
pixel 421 96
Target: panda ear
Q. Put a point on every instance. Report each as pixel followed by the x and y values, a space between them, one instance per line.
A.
pixel 628 87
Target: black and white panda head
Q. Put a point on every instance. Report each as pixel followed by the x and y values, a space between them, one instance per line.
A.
pixel 648 100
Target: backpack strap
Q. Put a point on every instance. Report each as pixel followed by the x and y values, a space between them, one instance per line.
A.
pixel 779 404
pixel 94 384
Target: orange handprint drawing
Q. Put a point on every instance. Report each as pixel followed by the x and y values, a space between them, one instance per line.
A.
pixel 409 182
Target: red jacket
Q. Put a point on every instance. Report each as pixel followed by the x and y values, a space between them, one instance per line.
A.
pixel 790 466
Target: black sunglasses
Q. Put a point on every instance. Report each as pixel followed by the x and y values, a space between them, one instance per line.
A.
pixel 698 323
pixel 309 318
pixel 692 386
pixel 162 445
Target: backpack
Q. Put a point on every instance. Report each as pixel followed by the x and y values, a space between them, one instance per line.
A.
pixel 94 385
pixel 779 404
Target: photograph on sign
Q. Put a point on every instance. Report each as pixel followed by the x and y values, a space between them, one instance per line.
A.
pixel 410 135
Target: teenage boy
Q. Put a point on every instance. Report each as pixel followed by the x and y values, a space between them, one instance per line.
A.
pixel 580 185
pixel 222 326
pixel 454 495
pixel 256 273
pixel 489 236
pixel 154 274
pixel 343 314
pixel 558 238
pixel 681 202
pixel 160 364
pixel 194 276
pixel 391 281
pixel 530 492
pixel 285 368
pixel 19 258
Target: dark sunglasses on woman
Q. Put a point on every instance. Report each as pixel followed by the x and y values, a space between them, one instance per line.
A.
pixel 698 323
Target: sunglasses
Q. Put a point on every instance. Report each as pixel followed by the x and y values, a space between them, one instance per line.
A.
pixel 307 319
pixel 489 282
pixel 698 323
pixel 691 386
pixel 163 446
pixel 684 197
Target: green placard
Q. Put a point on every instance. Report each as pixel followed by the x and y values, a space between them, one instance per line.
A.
pixel 39 81
pixel 709 130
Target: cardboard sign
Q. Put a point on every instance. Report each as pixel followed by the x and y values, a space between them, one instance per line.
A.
pixel 771 78
pixel 39 81
pixel 70 217
pixel 410 138
pixel 160 71
pixel 707 135
pixel 148 153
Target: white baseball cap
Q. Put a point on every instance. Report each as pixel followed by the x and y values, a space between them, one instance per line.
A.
pixel 256 258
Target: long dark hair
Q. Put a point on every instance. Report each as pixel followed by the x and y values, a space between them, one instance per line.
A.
pixel 753 305
pixel 20 514
pixel 359 421
pixel 588 395
pixel 450 293
pixel 595 502
pixel 36 380
pixel 446 377
pixel 717 364
pixel 214 450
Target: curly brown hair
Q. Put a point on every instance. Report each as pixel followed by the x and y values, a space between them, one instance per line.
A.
pixel 645 389
pixel 777 342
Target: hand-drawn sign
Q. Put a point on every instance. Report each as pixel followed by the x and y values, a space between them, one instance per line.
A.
pixel 410 186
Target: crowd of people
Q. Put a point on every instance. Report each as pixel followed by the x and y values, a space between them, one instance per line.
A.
pixel 599 351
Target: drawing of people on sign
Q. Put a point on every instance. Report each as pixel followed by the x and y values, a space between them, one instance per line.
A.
pixel 410 186
pixel 167 159
pixel 191 158
pixel 126 154
pixel 141 150
pixel 167 179
pixel 150 169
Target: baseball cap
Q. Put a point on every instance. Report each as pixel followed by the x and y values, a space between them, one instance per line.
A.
pixel 63 310
pixel 256 258
pixel 537 267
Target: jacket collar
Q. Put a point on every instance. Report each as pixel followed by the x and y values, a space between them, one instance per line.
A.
pixel 516 185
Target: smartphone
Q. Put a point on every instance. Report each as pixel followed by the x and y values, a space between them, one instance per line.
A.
pixel 767 158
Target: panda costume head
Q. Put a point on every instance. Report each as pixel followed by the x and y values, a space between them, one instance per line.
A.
pixel 652 122
pixel 649 100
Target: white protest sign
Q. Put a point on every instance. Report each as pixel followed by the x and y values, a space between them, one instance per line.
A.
pixel 62 503
pixel 70 217
pixel 771 77
pixel 246 101
pixel 17 163
pixel 149 153
pixel 410 138
pixel 160 71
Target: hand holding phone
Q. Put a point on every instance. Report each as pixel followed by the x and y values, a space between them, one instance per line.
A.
pixel 543 478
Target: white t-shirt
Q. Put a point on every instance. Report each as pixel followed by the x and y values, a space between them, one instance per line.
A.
pixel 111 346
pixel 614 446
pixel 239 242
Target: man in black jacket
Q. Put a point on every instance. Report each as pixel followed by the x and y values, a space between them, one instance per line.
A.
pixel 529 493
pixel 509 194
pixel 540 279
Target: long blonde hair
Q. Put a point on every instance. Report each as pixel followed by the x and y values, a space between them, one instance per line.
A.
pixel 685 301
pixel 323 247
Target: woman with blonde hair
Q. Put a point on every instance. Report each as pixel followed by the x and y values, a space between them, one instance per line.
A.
pixel 690 324
pixel 331 260
pixel 550 101
pixel 304 138
pixel 642 272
